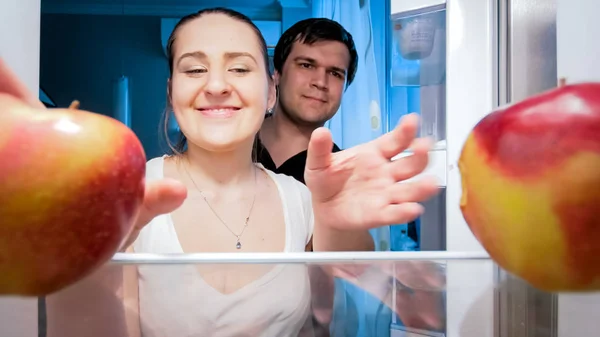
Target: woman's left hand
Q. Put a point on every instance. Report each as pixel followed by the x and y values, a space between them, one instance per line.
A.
pixel 359 188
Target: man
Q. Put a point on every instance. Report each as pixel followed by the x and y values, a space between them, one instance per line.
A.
pixel 315 61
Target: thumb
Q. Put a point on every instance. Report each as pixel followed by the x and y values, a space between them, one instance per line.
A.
pixel 318 156
pixel 11 85
pixel 161 196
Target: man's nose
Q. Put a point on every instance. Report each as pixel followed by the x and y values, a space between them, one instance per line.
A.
pixel 319 79
pixel 217 84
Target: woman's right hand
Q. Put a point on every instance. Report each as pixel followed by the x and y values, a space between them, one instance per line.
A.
pixel 160 197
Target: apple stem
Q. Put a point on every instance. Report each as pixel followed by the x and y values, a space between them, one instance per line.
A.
pixel 74 105
pixel 562 82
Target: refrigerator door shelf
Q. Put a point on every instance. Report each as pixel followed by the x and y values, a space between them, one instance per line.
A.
pixel 437 163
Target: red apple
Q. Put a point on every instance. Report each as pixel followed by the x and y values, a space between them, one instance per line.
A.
pixel 531 187
pixel 71 186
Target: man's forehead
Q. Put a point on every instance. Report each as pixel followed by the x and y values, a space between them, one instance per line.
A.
pixel 326 53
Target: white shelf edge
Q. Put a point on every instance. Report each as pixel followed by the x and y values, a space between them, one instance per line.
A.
pixel 401 6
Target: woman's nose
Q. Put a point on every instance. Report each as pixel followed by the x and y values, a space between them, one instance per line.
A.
pixel 217 84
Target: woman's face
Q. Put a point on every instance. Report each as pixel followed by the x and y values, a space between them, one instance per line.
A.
pixel 219 88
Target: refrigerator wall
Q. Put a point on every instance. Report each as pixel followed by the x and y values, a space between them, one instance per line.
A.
pixel 527 66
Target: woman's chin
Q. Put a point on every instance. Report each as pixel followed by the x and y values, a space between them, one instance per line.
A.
pixel 222 144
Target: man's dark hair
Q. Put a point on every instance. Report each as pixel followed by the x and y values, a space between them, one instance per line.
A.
pixel 313 30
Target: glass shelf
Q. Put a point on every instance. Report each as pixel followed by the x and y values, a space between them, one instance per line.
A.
pixel 212 295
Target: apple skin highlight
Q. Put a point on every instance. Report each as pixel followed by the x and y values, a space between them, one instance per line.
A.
pixel 531 188
pixel 71 186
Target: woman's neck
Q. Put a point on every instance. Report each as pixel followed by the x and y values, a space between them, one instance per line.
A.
pixel 218 170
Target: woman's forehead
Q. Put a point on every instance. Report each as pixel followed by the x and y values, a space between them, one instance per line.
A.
pixel 214 33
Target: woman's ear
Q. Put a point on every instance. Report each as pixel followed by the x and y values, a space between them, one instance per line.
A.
pixel 169 91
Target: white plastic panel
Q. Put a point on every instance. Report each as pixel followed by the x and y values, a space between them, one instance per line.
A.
pixel 471 78
pixel 20 49
pixel 577 58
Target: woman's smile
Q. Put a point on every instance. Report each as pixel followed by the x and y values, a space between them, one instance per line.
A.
pixel 218 111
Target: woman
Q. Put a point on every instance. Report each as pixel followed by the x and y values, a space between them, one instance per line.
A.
pixel 213 198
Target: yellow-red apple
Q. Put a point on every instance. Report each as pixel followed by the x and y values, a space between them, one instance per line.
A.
pixel 531 187
pixel 71 185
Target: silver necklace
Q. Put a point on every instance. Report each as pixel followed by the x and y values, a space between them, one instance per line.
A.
pixel 238 243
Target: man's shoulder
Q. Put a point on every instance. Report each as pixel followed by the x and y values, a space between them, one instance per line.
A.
pixel 286 181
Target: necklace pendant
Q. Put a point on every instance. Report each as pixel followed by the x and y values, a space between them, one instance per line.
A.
pixel 238 245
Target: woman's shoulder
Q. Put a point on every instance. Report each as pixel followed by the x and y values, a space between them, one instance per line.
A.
pixel 298 203
pixel 288 183
pixel 155 168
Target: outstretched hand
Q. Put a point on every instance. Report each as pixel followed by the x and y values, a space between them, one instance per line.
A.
pixel 162 196
pixel 362 187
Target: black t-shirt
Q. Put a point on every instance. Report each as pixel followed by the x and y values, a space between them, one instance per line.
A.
pixel 293 167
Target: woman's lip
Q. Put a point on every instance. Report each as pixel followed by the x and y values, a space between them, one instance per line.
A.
pixel 224 112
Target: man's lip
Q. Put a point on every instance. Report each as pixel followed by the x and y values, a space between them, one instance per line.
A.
pixel 316 99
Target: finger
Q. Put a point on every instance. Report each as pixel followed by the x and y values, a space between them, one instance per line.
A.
pixel 413 191
pixel 420 309
pixel 349 272
pixel 399 213
pixel 419 275
pixel 319 150
pixel 11 85
pixel 399 139
pixel 161 197
pixel 413 163
pixel 372 279
pixel 431 274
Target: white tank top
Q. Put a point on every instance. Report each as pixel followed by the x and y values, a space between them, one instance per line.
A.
pixel 174 301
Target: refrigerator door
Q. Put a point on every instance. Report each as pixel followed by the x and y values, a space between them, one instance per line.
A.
pixel 443 64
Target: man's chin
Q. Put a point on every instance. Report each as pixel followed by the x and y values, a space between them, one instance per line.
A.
pixel 309 121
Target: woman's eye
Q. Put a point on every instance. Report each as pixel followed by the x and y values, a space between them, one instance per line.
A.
pixel 239 70
pixel 195 71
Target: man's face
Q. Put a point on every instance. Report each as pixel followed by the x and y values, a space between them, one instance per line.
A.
pixel 312 81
